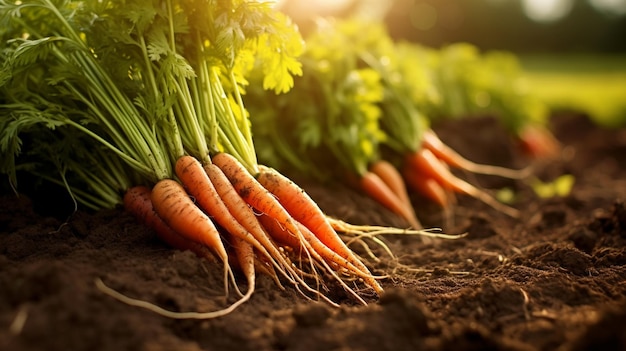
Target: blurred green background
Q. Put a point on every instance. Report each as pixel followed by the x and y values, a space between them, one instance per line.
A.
pixel 573 51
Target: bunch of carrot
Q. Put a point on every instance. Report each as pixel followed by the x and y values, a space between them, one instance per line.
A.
pixel 329 125
pixel 365 103
pixel 141 103
pixel 473 83
pixel 423 159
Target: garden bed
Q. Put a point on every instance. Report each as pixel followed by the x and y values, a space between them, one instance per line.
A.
pixel 554 278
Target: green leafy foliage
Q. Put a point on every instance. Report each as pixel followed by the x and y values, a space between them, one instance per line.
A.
pixel 137 83
pixel 363 96
pixel 331 116
pixel 490 83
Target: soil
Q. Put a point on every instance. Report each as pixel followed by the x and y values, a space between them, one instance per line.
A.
pixel 553 279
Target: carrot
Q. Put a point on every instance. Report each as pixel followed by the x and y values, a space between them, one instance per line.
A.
pixel 538 142
pixel 252 192
pixel 432 190
pixel 239 209
pixel 377 189
pixel 248 219
pixel 426 186
pixel 244 252
pixel 197 182
pixel 137 202
pixel 174 209
pixel 255 195
pixel 314 244
pixel 261 266
pixel 215 195
pixel 320 253
pixel 431 141
pixel 390 176
pixel 426 162
pixel 172 203
pixel 304 210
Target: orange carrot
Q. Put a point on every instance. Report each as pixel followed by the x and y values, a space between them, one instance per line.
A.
pixel 246 262
pixel 255 195
pixel 304 210
pixel 262 199
pixel 325 255
pixel 197 182
pixel 432 190
pixel 377 189
pixel 137 202
pixel 219 200
pixel 426 162
pixel 252 192
pixel 313 243
pixel 172 203
pixel 427 187
pixel 390 176
pixel 431 141
pixel 538 142
pixel 238 208
pixel 247 218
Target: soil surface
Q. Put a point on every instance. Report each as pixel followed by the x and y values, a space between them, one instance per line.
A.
pixel 553 279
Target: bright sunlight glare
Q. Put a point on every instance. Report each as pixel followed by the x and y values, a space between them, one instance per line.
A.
pixel 547 10
pixel 313 8
pixel 616 7
pixel 536 10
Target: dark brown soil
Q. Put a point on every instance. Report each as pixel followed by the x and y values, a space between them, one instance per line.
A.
pixel 554 279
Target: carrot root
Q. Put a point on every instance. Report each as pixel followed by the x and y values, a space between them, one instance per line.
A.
pixel 431 141
pixel 167 313
pixel 306 211
pixel 538 142
pixel 329 260
pixel 377 189
pixel 252 192
pixel 137 201
pixel 249 220
pixel 172 203
pixel 198 183
pixel 394 181
pixel 429 165
pixel 258 197
pixel 427 187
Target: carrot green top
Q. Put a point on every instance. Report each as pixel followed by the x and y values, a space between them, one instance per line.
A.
pixel 149 80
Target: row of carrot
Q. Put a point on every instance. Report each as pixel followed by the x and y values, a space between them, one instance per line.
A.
pixel 366 102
